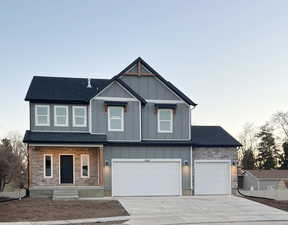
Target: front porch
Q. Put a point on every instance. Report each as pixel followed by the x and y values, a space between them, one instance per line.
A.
pixel 66 172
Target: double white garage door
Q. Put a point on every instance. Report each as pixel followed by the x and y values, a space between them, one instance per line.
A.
pixel 146 177
pixel 156 177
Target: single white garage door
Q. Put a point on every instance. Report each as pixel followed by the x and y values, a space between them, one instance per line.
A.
pixel 142 177
pixel 212 177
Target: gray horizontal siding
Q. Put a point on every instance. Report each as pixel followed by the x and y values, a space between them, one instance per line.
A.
pixel 149 87
pixel 181 123
pixel 145 152
pixel 131 122
pixel 52 127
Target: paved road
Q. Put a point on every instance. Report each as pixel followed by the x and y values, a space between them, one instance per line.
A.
pixel 212 210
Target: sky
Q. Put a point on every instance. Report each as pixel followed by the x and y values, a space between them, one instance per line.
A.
pixel 230 57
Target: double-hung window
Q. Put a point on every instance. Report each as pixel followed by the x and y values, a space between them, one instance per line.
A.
pixel 116 118
pixel 48 166
pixel 84 166
pixel 60 116
pixel 165 120
pixel 42 115
pixel 79 116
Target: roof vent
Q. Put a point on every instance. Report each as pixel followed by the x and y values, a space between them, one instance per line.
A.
pixel 89 83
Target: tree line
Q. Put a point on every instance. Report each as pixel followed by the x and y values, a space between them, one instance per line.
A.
pixel 265 147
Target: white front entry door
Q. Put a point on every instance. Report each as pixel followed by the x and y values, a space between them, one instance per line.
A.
pixel 212 177
pixel 140 177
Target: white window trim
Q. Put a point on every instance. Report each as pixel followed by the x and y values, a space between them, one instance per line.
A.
pixel 44 167
pixel 171 121
pixel 36 115
pixel 122 118
pixel 82 156
pixel 67 114
pixel 74 116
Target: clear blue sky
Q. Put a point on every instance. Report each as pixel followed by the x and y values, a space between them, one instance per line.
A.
pixel 230 57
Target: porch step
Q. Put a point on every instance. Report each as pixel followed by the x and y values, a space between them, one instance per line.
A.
pixel 65 194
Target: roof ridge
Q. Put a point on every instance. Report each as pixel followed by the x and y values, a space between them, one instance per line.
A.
pixel 71 77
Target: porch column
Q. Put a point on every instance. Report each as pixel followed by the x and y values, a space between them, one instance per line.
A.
pixel 101 166
pixel 29 151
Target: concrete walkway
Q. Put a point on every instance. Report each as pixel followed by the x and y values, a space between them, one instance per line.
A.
pixel 200 210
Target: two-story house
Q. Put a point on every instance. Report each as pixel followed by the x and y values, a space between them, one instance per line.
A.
pixel 130 135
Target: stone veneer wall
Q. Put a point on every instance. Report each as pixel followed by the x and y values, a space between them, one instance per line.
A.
pixel 213 153
pixel 37 165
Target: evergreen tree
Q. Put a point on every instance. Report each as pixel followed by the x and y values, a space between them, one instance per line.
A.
pixel 248 160
pixel 268 154
pixel 284 156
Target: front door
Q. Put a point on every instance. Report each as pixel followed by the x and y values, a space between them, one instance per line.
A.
pixel 66 168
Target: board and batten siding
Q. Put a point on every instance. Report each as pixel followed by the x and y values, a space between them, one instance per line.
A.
pixel 51 127
pixel 99 118
pixel 149 152
pixel 149 87
pixel 99 121
pixel 181 123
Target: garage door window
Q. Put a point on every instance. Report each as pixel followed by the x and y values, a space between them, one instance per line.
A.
pixel 165 120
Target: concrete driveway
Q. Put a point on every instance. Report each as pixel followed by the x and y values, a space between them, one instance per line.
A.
pixel 200 210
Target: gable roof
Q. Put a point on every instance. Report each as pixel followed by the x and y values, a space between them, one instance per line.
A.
pixel 269 174
pixel 74 90
pixel 212 136
pixel 62 89
pixel 167 83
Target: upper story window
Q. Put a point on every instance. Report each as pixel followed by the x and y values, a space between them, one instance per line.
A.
pixel 48 166
pixel 165 120
pixel 85 166
pixel 79 116
pixel 115 118
pixel 60 116
pixel 42 115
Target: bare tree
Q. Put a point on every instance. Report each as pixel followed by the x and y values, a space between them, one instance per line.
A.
pixel 13 161
pixel 280 122
pixel 248 139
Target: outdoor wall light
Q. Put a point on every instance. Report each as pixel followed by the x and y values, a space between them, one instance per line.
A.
pixel 185 162
pixel 106 163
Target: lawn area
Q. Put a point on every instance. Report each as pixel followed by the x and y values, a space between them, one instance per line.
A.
pixel 46 209
pixel 270 202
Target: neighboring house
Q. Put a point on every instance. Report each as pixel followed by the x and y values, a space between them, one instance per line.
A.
pixel 264 179
pixel 126 136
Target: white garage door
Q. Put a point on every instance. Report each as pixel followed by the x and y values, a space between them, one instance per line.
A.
pixel 139 177
pixel 212 177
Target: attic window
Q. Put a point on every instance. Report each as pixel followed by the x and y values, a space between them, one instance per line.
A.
pixel 138 69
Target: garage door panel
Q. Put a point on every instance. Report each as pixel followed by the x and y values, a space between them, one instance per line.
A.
pixel 212 178
pixel 141 178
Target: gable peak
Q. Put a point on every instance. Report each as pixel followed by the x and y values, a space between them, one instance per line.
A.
pixel 140 68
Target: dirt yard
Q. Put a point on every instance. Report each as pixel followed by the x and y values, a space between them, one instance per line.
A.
pixel 46 209
pixel 273 203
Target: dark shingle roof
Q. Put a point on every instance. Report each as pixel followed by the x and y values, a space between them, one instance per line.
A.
pixel 212 136
pixel 60 89
pixel 63 137
pixel 270 174
pixel 73 90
